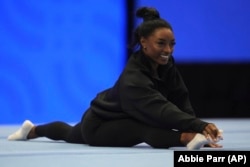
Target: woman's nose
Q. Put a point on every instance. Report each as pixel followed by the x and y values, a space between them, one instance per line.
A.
pixel 168 49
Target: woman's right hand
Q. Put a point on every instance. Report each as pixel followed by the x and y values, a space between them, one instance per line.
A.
pixel 211 132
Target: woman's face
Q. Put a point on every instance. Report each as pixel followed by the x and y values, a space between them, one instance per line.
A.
pixel 159 46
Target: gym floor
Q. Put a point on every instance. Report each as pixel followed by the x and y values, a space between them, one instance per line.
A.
pixel 44 152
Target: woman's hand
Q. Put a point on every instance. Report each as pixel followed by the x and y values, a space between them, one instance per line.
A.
pixel 211 132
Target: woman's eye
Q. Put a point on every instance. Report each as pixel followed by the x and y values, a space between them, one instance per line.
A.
pixel 161 43
pixel 173 43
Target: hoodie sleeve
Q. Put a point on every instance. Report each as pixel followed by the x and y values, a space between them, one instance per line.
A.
pixel 178 92
pixel 142 101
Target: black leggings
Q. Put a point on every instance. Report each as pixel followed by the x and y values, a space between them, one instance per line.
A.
pixel 115 133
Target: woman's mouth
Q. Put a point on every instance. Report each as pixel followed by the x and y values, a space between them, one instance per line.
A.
pixel 165 56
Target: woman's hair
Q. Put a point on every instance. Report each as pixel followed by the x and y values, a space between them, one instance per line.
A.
pixel 151 21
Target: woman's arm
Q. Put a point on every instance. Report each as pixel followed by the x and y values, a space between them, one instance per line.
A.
pixel 142 101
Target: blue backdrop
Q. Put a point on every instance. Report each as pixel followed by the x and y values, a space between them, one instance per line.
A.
pixel 207 31
pixel 55 55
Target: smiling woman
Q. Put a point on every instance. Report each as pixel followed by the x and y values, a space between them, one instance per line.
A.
pixel 158 47
pixel 148 103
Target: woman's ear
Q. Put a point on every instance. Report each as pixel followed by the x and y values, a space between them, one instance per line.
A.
pixel 143 42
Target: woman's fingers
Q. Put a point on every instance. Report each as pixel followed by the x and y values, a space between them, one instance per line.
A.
pixel 211 131
pixel 214 145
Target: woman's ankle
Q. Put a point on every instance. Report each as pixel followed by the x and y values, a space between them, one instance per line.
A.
pixel 186 137
pixel 32 134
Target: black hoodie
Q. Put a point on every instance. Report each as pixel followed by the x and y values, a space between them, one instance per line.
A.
pixel 159 100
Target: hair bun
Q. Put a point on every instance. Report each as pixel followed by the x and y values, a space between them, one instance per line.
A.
pixel 147 13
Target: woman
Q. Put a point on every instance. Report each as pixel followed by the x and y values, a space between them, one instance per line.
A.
pixel 148 103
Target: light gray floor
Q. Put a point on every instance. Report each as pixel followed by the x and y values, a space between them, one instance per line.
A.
pixel 46 153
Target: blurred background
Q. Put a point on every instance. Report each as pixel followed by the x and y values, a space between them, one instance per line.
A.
pixel 56 55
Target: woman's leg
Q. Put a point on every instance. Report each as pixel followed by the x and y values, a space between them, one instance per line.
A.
pixel 55 131
pixel 126 133
pixel 58 131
